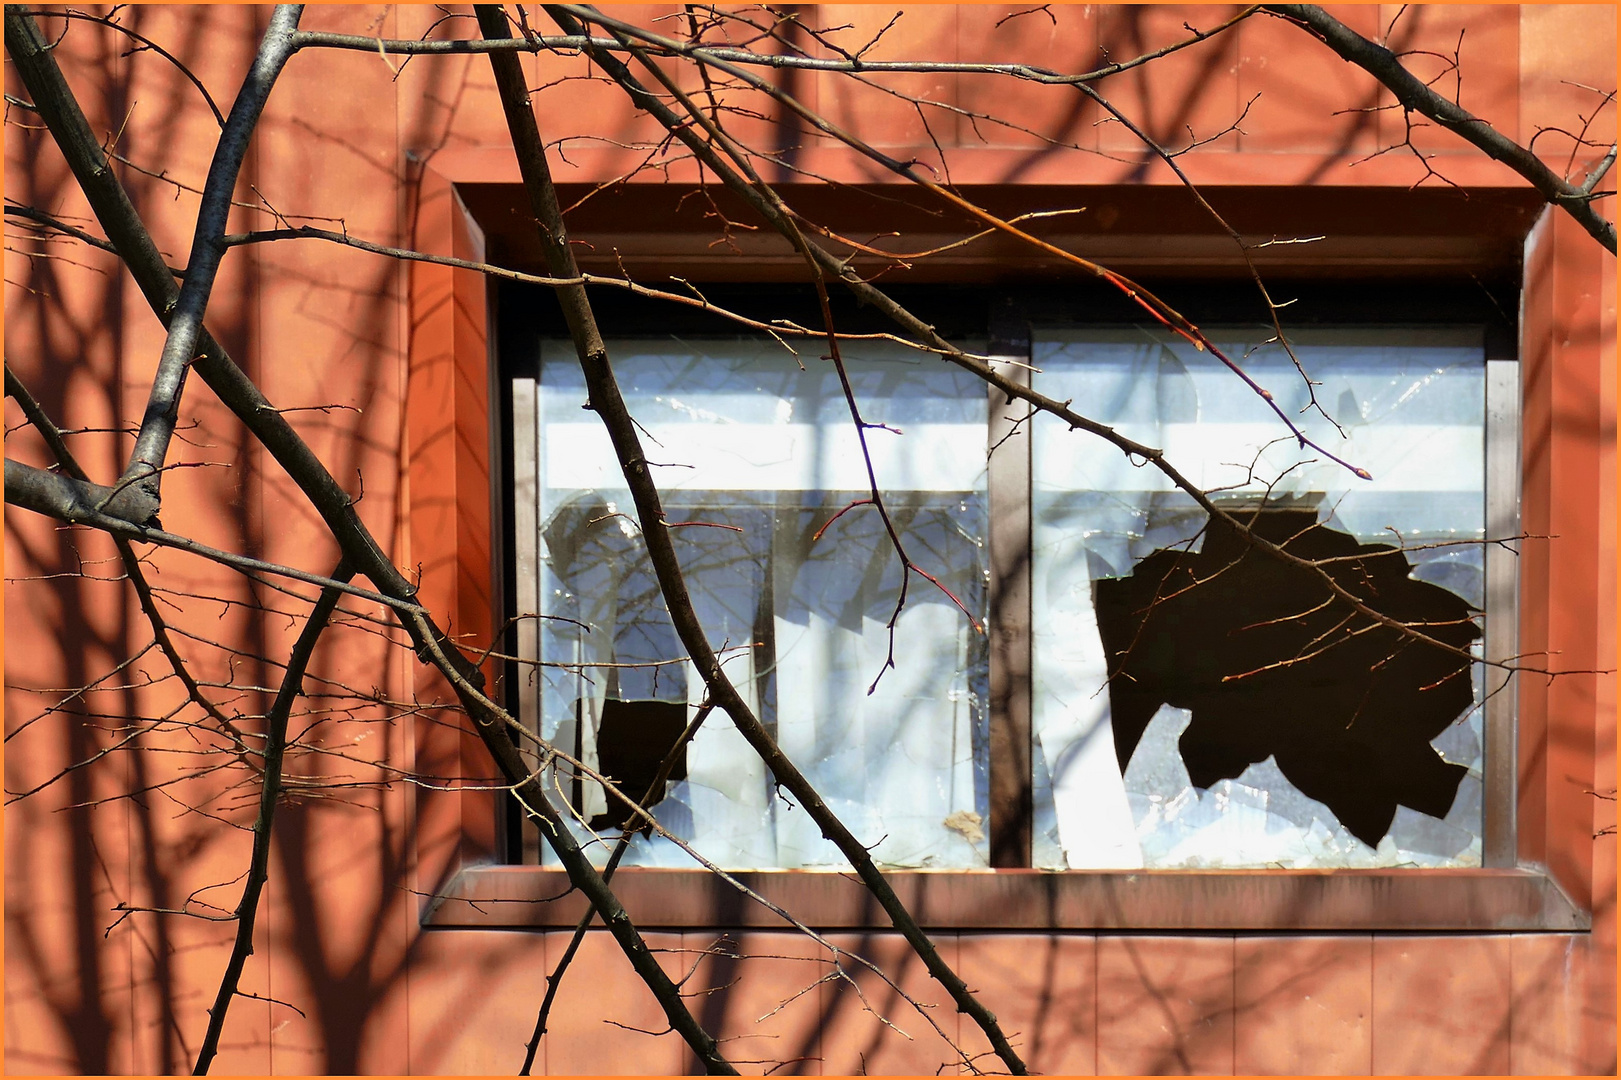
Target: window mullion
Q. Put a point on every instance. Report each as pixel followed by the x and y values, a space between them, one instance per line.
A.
pixel 1008 435
pixel 1499 847
pixel 526 472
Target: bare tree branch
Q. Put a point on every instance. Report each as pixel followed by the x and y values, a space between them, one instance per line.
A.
pixel 144 43
pixel 113 208
pixel 207 249
pixel 275 747
pixel 1144 298
pixel 1414 96
pixel 606 400
pixel 771 207
pixel 39 217
pixel 132 564
pixel 79 502
pixel 526 138
pixel 848 64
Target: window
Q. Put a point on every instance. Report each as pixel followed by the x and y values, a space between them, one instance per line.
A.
pixel 1197 706
pixel 1133 751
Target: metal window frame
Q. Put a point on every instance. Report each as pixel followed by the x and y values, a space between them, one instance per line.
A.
pixel 1501 645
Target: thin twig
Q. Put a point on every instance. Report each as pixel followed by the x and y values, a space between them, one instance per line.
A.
pixel 145 42
pixel 1415 96
pixel 846 65
pixel 132 563
pixel 247 910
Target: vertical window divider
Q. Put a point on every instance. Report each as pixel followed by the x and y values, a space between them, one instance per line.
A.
pixel 1008 441
pixel 1500 844
pixel 528 460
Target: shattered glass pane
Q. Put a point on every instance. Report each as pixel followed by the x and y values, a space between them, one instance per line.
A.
pixel 753 456
pixel 1412 406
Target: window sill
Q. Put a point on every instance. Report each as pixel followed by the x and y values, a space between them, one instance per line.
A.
pixel 1468 901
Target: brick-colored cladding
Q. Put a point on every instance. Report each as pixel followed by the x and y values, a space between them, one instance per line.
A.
pixel 422 159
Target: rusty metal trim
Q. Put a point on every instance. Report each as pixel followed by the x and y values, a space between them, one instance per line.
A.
pixel 1428 901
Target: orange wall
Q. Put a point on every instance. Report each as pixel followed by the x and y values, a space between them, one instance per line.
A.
pixel 317 324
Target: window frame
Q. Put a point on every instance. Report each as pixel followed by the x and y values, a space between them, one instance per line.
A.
pixel 459 888
pixel 1009 493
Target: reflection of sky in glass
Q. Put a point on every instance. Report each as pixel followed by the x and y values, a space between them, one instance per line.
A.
pixel 1412 406
pixel 747 441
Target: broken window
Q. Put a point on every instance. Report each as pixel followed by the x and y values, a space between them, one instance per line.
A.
pixel 1198 705
pixel 1193 704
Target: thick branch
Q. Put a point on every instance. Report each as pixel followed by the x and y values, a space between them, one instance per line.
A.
pixel 207 249
pixel 606 400
pixel 770 206
pixel 76 500
pixel 1414 96
pixel 126 554
pixel 576 309
pixel 124 228
pixel 275 746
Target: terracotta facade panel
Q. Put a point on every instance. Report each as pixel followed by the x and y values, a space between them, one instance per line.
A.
pixel 895 113
pixel 1195 88
pixel 608 1022
pixel 1301 96
pixel 1566 52
pixel 1550 1015
pixel 1044 992
pixel 1441 1005
pixel 1165 1005
pixel 1062 39
pixel 760 995
pixel 903 1025
pixel 445 103
pixel 1303 1005
pixel 472 1001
